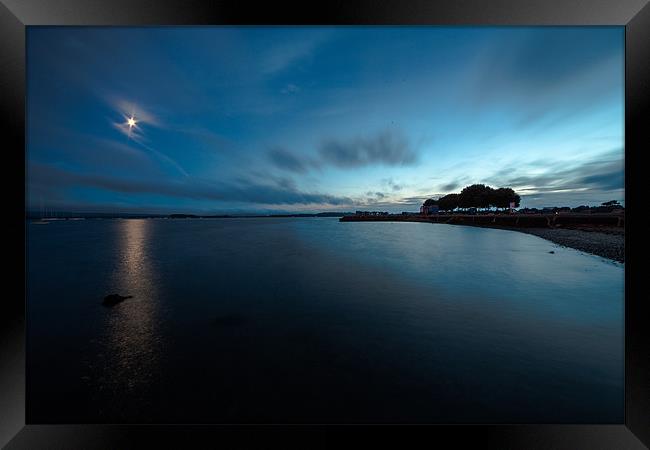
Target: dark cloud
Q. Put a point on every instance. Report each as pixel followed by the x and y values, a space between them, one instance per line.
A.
pixel 451 186
pixel 282 193
pixel 609 179
pixel 386 148
pixel 375 195
pixel 597 177
pixel 285 183
pixel 401 204
pixel 286 160
pixel 394 186
pixel 413 201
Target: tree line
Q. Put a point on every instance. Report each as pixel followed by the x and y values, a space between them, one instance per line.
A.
pixel 476 196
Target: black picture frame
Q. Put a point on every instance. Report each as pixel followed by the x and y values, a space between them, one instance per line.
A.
pixel 16 15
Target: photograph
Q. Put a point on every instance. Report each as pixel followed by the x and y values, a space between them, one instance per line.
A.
pixel 325 224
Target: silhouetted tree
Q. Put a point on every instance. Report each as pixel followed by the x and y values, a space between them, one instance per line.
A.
pixel 475 196
pixel 448 202
pixel 430 202
pixel 478 196
pixel 502 197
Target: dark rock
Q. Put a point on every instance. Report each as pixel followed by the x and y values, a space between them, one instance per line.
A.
pixel 551 251
pixel 114 299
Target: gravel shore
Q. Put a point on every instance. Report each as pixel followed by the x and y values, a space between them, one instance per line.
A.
pixel 608 243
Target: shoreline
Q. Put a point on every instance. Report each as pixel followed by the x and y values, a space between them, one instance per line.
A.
pixel 609 245
pixel 601 239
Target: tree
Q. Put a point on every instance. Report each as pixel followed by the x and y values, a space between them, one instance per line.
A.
pixel 502 197
pixel 612 203
pixel 475 196
pixel 448 202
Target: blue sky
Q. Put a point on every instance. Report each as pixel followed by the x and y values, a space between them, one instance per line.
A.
pixel 279 119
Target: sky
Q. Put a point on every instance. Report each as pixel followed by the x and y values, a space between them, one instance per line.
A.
pixel 309 119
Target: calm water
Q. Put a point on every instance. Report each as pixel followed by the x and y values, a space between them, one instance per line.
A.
pixel 313 320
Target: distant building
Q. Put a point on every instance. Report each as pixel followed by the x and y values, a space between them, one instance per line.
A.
pixel 428 210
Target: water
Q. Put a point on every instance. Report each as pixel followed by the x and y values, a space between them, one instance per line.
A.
pixel 312 320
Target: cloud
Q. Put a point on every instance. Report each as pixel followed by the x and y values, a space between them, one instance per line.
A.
pixel 449 187
pixel 546 78
pixel 571 199
pixel 135 133
pixel 54 143
pixel 386 148
pixel 383 202
pixel 286 160
pixel 597 176
pixel 392 184
pixel 609 177
pixel 284 55
pixel 283 193
pixel 285 183
pixel 128 109
pixel 375 195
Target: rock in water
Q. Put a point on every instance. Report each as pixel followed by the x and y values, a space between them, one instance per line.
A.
pixel 552 252
pixel 114 299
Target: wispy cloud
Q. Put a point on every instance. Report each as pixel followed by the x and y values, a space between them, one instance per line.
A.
pixel 326 113
pixel 195 189
pixel 600 175
pixel 450 186
pixel 392 184
pixel 281 56
pixel 386 148
pixel 135 132
pixel 284 159
pixel 127 109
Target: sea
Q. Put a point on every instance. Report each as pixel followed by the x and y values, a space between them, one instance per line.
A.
pixel 312 320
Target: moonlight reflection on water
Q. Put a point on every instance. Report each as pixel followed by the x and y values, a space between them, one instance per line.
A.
pixel 312 320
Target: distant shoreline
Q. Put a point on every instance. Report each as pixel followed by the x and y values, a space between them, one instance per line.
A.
pixel 598 234
pixel 70 216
